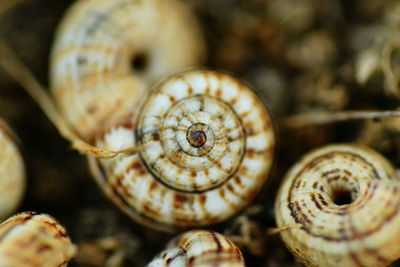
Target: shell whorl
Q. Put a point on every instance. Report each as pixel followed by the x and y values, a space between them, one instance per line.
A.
pixel 208 147
pixel 199 248
pixel 34 239
pixel 190 134
pixel 347 199
pixel 98 41
pixel 12 173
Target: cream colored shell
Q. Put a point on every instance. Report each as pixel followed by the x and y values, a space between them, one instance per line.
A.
pixel 12 173
pixel 199 248
pixel 364 230
pixel 208 147
pixel 92 78
pixel 34 240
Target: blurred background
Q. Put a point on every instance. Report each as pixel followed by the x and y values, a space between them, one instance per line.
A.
pixel 300 55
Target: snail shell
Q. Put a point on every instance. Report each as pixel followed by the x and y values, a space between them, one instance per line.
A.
pixel 12 172
pixel 199 248
pixel 106 54
pixel 32 239
pixel 347 200
pixel 208 145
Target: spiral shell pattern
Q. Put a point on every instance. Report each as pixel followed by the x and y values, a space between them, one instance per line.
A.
pixel 208 146
pixel 32 239
pixel 94 77
pixel 12 172
pixel 347 199
pixel 199 248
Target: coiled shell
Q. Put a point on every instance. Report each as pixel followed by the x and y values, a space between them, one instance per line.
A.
pixel 208 146
pixel 347 200
pixel 12 172
pixel 32 239
pixel 199 248
pixel 93 75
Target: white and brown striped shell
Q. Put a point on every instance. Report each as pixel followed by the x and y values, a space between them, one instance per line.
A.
pixel 107 53
pixel 12 172
pixel 208 144
pixel 199 248
pixel 34 240
pixel 347 200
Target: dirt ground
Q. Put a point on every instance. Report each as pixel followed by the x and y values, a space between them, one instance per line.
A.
pixel 300 55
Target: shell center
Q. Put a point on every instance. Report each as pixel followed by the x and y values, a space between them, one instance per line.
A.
pixel 196 135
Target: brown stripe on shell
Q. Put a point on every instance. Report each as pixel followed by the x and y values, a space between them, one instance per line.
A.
pixel 251 152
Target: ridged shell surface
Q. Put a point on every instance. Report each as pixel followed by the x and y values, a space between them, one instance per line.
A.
pixel 34 240
pixel 208 147
pixel 199 249
pixel 347 199
pixel 93 74
pixel 12 173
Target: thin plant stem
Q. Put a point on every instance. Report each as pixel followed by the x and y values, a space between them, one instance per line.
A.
pixel 277 230
pixel 320 118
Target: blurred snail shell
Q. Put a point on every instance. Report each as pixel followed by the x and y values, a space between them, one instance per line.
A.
pixel 107 53
pixel 347 200
pixel 208 144
pixel 33 239
pixel 12 172
pixel 199 248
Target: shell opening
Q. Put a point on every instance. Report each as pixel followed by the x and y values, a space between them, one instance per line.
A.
pixel 343 193
pixel 342 196
pixel 140 62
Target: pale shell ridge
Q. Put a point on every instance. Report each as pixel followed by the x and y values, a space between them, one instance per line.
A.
pixel 12 172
